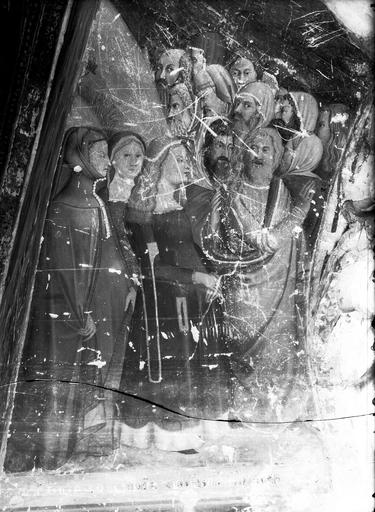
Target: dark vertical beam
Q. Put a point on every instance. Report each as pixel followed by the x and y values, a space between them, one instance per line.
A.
pixel 53 58
pixel 19 28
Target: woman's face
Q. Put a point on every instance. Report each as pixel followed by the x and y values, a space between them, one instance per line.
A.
pixel 128 160
pixel 176 168
pixel 98 157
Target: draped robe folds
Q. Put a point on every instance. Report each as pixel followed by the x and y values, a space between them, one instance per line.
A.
pixel 264 295
pixel 78 326
pixel 177 357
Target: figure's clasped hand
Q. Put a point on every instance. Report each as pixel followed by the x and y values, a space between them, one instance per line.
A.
pixel 210 282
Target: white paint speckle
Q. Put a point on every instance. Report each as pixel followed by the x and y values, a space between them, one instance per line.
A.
pixel 98 362
pixel 114 271
pixel 195 333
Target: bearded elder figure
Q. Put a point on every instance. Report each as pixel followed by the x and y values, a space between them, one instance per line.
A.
pixel 253 236
pixel 253 108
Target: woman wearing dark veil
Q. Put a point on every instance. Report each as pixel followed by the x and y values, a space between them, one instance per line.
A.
pixel 175 360
pixel 80 312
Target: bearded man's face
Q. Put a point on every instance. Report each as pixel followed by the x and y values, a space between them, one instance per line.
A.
pixel 245 114
pixel 259 160
pixel 168 68
pixel 218 156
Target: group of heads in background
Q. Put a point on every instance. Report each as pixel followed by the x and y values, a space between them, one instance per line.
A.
pixel 227 123
pixel 115 160
pixel 132 172
pixel 246 115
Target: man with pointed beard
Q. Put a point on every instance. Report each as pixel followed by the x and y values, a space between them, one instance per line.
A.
pixel 218 151
pixel 214 150
pixel 173 66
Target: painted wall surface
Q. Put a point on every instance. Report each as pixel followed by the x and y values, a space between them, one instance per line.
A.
pixel 195 328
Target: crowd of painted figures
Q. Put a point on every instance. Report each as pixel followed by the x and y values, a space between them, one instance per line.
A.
pixel 170 286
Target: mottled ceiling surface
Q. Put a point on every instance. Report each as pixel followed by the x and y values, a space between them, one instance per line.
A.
pixel 299 40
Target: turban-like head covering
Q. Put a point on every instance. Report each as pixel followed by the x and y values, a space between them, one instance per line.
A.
pixel 216 77
pixel 203 81
pixel 307 110
pixel 297 166
pixel 302 160
pixel 264 98
pixel 223 82
pixel 271 80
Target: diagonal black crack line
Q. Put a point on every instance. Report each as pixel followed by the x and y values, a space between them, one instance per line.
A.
pixel 189 416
